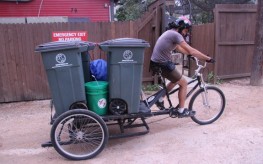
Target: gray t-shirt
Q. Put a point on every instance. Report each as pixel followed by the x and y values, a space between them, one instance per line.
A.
pixel 164 45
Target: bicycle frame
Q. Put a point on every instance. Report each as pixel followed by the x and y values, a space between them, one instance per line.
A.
pixel 198 77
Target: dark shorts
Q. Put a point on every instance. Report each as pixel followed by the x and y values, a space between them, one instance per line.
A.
pixel 168 70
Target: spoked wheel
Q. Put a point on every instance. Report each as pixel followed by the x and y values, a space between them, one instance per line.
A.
pixel 209 105
pixel 118 106
pixel 79 134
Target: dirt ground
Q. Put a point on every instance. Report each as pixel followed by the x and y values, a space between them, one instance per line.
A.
pixel 237 137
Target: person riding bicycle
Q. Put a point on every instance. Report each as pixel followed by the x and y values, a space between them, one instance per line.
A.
pixel 173 39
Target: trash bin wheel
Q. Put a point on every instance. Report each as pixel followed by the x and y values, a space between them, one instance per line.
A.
pixel 79 134
pixel 118 106
pixel 78 105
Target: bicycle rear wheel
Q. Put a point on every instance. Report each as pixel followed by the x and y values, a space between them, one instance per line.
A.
pixel 209 105
pixel 79 134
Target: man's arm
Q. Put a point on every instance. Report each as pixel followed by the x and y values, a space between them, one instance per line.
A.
pixel 185 48
pixel 180 49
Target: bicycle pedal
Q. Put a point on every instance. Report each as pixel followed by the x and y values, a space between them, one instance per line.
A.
pixel 173 113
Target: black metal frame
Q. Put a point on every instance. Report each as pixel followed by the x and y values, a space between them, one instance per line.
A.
pixel 131 118
pixel 127 121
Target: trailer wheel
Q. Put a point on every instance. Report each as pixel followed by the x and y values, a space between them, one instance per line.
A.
pixel 79 134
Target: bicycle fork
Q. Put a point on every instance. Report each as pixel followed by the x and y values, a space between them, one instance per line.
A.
pixel 205 93
pixel 205 99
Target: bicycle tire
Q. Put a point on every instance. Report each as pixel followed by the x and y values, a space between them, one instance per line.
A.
pixel 79 134
pixel 207 114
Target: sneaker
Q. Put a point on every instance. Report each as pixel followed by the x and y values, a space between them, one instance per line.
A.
pixel 186 113
pixel 160 105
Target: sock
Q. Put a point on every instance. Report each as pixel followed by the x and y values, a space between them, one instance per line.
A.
pixel 181 110
pixel 160 99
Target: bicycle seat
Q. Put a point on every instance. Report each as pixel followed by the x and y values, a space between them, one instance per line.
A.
pixel 156 69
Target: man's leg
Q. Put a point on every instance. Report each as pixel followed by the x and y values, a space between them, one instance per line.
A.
pixel 182 91
pixel 170 86
pixel 183 112
pixel 173 77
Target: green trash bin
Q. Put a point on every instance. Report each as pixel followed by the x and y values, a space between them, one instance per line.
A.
pixel 64 68
pixel 97 96
pixel 125 57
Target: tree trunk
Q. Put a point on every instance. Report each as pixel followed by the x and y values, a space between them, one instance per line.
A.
pixel 257 61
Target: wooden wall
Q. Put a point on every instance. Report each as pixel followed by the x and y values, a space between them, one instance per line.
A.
pixel 22 75
pixel 229 40
pixel 234 39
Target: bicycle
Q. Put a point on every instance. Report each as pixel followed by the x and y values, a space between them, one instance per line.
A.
pixel 82 134
pixel 208 101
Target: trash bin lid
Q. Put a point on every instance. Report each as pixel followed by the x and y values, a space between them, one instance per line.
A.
pixel 124 42
pixel 62 45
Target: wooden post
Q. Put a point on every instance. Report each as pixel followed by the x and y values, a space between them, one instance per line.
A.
pixel 256 78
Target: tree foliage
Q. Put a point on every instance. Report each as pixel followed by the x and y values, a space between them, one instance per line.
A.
pixel 202 10
pixel 131 9
pixel 209 5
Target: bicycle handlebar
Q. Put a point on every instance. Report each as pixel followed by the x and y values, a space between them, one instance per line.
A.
pixel 197 61
pixel 200 66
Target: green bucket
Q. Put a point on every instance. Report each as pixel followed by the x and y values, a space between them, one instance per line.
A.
pixel 97 96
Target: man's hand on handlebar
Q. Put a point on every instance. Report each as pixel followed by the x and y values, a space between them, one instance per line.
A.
pixel 211 60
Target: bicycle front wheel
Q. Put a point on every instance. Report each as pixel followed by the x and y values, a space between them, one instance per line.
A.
pixel 79 134
pixel 208 105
